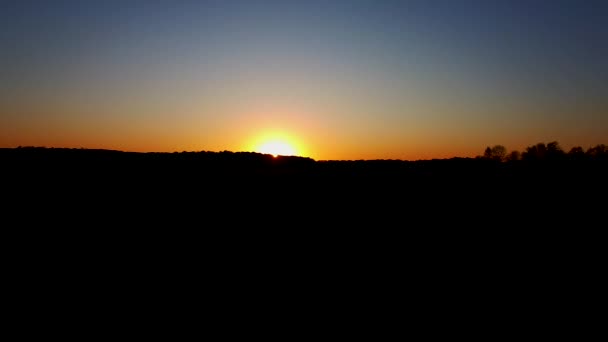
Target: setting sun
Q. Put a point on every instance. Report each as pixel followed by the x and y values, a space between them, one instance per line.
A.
pixel 277 145
pixel 277 148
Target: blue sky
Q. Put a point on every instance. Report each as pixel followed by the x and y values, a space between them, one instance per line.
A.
pixel 346 79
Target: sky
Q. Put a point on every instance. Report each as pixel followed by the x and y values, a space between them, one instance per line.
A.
pixel 339 80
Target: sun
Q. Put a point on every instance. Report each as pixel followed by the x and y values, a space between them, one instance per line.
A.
pixel 277 145
pixel 277 148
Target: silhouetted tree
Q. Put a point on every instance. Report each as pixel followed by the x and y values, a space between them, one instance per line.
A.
pixel 513 156
pixel 576 150
pixel 487 153
pixel 535 152
pixel 598 152
pixel 576 153
pixel 497 152
pixel 554 151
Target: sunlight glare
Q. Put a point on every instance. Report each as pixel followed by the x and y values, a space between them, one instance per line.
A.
pixel 277 148
pixel 277 144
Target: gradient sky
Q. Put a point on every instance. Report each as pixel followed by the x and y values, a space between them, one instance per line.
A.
pixel 342 79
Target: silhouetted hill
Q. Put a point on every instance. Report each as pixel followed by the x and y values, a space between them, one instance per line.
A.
pixel 35 163
pixel 241 175
pixel 217 192
pixel 233 212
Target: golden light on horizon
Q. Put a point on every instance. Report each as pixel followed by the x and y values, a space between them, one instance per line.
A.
pixel 277 145
pixel 277 148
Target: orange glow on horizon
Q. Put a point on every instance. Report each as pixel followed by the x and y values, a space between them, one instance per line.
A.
pixel 277 144
pixel 277 148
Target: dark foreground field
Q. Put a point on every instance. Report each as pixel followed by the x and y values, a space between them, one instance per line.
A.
pixel 255 199
pixel 225 188
pixel 240 229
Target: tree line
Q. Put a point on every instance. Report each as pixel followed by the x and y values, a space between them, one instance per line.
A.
pixel 551 151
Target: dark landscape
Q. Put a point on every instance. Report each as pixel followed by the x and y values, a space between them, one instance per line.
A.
pixel 518 231
pixel 291 188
